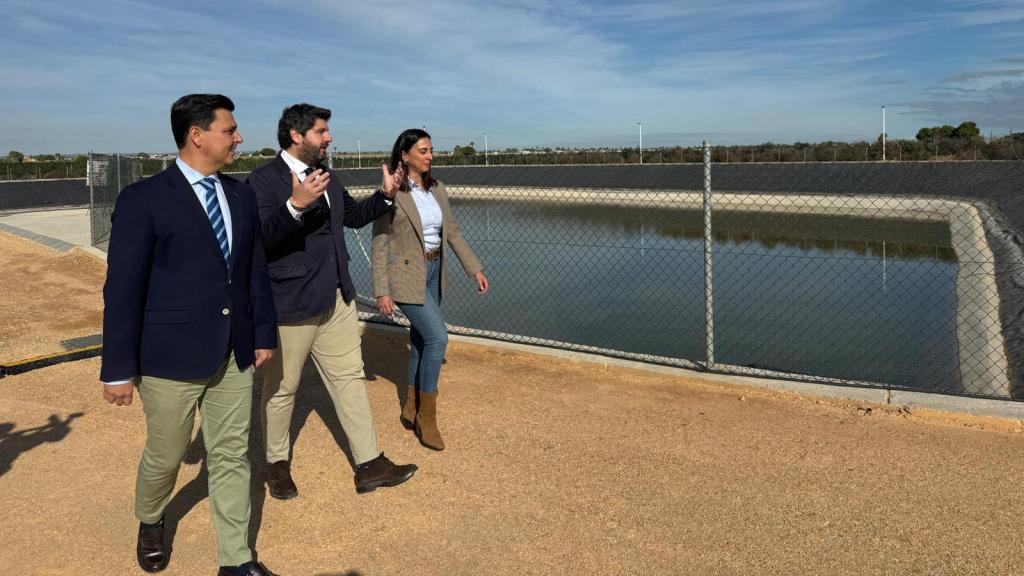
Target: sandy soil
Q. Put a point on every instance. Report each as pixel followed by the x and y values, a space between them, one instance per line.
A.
pixel 47 296
pixel 553 467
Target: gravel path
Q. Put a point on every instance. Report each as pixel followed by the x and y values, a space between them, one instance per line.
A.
pixel 552 467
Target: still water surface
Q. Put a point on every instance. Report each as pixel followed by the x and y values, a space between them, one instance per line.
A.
pixel 840 297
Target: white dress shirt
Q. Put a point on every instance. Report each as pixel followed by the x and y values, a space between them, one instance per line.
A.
pixel 430 215
pixel 193 178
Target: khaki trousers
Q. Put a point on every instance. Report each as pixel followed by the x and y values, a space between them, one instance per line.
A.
pixel 333 340
pixel 225 402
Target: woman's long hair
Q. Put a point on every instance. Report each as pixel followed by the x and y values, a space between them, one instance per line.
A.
pixel 406 140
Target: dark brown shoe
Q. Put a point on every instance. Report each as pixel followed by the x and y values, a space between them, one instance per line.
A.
pixel 381 472
pixel 257 569
pixel 150 550
pixel 279 480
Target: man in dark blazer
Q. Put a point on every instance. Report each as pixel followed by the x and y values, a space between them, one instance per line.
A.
pixel 303 211
pixel 188 312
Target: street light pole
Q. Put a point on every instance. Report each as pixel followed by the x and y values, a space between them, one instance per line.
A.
pixel 486 160
pixel 883 133
pixel 359 152
pixel 641 125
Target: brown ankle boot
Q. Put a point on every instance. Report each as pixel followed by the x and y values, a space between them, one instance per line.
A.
pixel 408 416
pixel 426 422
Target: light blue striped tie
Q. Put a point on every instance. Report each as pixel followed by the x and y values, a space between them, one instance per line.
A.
pixel 216 218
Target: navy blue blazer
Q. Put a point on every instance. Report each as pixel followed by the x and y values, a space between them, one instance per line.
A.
pixel 308 259
pixel 172 306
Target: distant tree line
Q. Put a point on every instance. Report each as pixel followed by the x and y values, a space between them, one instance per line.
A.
pixel 962 142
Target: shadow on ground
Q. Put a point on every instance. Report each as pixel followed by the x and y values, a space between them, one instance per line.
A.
pixel 14 443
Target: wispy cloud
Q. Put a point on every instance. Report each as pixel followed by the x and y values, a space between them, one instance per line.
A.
pixel 997 107
pixel 968 76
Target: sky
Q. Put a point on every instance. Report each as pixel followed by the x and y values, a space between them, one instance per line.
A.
pixel 79 76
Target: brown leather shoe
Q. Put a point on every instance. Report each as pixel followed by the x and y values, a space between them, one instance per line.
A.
pixel 257 569
pixel 279 480
pixel 381 472
pixel 408 417
pixel 150 550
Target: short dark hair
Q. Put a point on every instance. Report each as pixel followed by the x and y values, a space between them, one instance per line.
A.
pixel 301 118
pixel 405 141
pixel 196 110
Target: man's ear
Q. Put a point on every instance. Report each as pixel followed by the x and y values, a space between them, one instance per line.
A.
pixel 296 137
pixel 195 135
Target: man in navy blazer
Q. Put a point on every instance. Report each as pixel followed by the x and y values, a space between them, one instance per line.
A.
pixel 188 312
pixel 304 212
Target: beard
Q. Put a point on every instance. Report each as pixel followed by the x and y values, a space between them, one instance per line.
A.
pixel 309 154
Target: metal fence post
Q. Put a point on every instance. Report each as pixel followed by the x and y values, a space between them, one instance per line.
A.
pixel 709 308
pixel 90 176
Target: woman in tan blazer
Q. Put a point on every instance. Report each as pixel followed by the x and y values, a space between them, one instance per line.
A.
pixel 410 248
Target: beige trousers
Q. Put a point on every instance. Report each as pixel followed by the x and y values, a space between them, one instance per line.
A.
pixel 225 402
pixel 333 340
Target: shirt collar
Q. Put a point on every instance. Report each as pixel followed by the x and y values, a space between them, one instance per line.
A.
pixel 191 174
pixel 297 166
pixel 414 186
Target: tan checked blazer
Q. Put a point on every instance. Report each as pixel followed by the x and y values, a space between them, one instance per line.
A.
pixel 399 268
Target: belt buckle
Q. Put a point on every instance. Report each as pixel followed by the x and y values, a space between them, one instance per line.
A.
pixel 433 254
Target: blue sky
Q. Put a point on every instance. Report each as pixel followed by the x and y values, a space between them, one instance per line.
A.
pixel 102 75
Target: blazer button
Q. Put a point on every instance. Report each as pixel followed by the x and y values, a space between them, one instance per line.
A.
pixel 225 311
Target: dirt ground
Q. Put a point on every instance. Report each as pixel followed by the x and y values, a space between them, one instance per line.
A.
pixel 47 296
pixel 552 467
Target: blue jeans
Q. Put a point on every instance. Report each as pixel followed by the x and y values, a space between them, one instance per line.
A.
pixel 428 337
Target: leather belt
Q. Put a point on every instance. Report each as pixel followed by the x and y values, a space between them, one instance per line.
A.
pixel 433 254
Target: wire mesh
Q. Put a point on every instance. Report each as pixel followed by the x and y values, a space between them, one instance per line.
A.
pixel 902 275
pixel 106 176
pixel 872 275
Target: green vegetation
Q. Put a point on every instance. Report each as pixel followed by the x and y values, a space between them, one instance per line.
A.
pixel 963 142
pixel 965 131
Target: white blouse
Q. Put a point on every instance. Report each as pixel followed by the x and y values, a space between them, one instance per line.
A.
pixel 430 216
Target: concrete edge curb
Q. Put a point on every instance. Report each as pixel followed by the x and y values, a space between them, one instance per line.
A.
pixel 22 366
pixel 47 241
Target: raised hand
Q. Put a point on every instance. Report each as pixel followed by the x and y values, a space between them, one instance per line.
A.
pixel 309 190
pixel 392 183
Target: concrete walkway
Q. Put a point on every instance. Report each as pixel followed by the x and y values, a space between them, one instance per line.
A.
pixel 58 229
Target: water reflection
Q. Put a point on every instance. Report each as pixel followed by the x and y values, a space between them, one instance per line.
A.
pixel 829 296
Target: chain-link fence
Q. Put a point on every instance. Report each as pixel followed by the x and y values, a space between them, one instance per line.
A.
pixel 106 176
pixel 899 275
pixel 903 275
